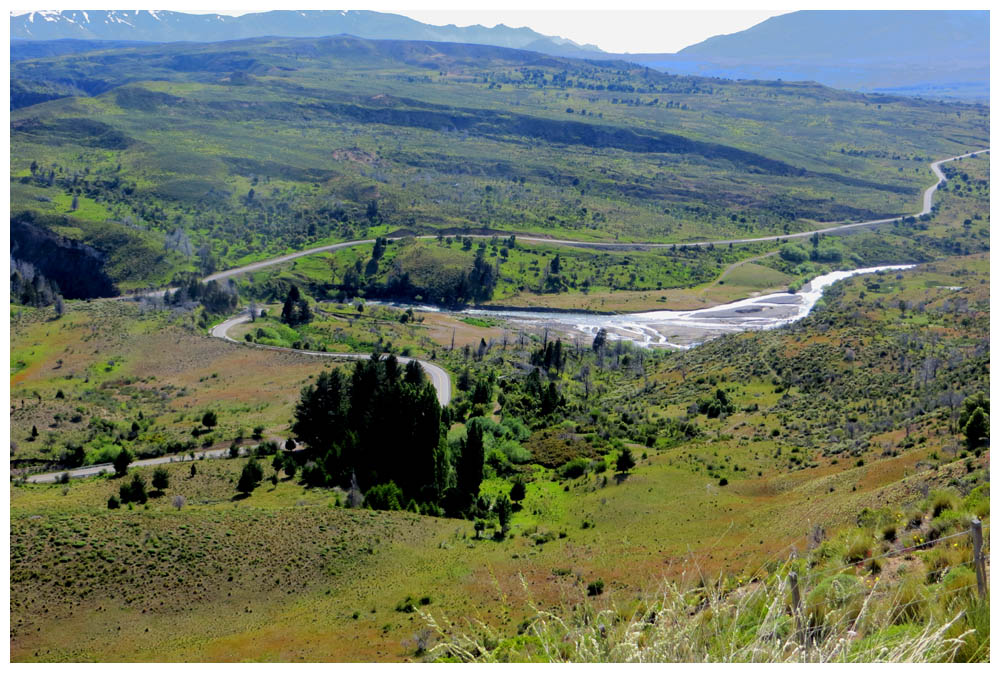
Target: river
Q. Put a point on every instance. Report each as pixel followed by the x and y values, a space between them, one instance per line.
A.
pixel 679 329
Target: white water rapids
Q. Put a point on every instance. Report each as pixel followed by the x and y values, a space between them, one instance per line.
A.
pixel 683 329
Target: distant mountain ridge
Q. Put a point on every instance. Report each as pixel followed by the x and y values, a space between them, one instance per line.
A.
pixel 939 54
pixel 165 26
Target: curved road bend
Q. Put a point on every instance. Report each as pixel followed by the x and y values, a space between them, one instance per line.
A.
pixel 438 376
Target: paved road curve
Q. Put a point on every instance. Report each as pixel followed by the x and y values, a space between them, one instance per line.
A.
pixel 438 376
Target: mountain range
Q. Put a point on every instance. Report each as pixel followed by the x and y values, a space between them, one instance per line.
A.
pixel 939 54
pixel 163 26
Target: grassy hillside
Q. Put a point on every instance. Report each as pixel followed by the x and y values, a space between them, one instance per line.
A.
pixel 814 437
pixel 242 150
pixel 660 498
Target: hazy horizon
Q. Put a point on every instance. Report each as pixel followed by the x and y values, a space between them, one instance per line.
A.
pixel 614 31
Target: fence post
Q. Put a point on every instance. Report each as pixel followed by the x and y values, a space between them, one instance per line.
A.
pixel 793 579
pixel 977 556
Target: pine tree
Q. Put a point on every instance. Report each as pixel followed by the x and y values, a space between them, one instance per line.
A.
pixel 250 477
pixel 977 429
pixel 625 460
pixel 504 512
pixel 291 301
pixel 122 461
pixel 469 470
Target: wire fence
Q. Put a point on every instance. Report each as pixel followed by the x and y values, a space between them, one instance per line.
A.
pixel 978 562
pixel 896 552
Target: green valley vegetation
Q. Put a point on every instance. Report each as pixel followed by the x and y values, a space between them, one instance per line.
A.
pixel 579 498
pixel 200 157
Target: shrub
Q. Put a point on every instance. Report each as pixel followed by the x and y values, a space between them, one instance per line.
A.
pixel 949 521
pixel 385 496
pixel 859 546
pixel 837 600
pixel 978 501
pixel 959 583
pixel 161 479
pixel 574 468
pixel 939 501
pixel 113 503
pixel 793 253
pixel 517 491
pixel 250 477
pixel 595 588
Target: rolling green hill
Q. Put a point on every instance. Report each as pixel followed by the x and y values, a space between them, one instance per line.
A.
pixel 245 149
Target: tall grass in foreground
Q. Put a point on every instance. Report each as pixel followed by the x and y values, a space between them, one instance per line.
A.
pixel 753 623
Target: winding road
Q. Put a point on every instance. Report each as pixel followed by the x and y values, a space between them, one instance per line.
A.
pixel 928 201
pixel 438 376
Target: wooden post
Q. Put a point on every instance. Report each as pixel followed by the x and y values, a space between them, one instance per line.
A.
pixel 793 579
pixel 977 556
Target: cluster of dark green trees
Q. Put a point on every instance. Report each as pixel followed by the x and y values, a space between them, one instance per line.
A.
pixel 217 298
pixel 717 405
pixel 450 287
pixel 295 310
pixel 383 427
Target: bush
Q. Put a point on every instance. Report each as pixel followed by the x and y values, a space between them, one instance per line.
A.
pixel 939 501
pixel 113 503
pixel 625 460
pixel 793 253
pixel 161 479
pixel 859 546
pixel 517 491
pixel 837 600
pixel 250 477
pixel 574 468
pixel 595 588
pixel 385 496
